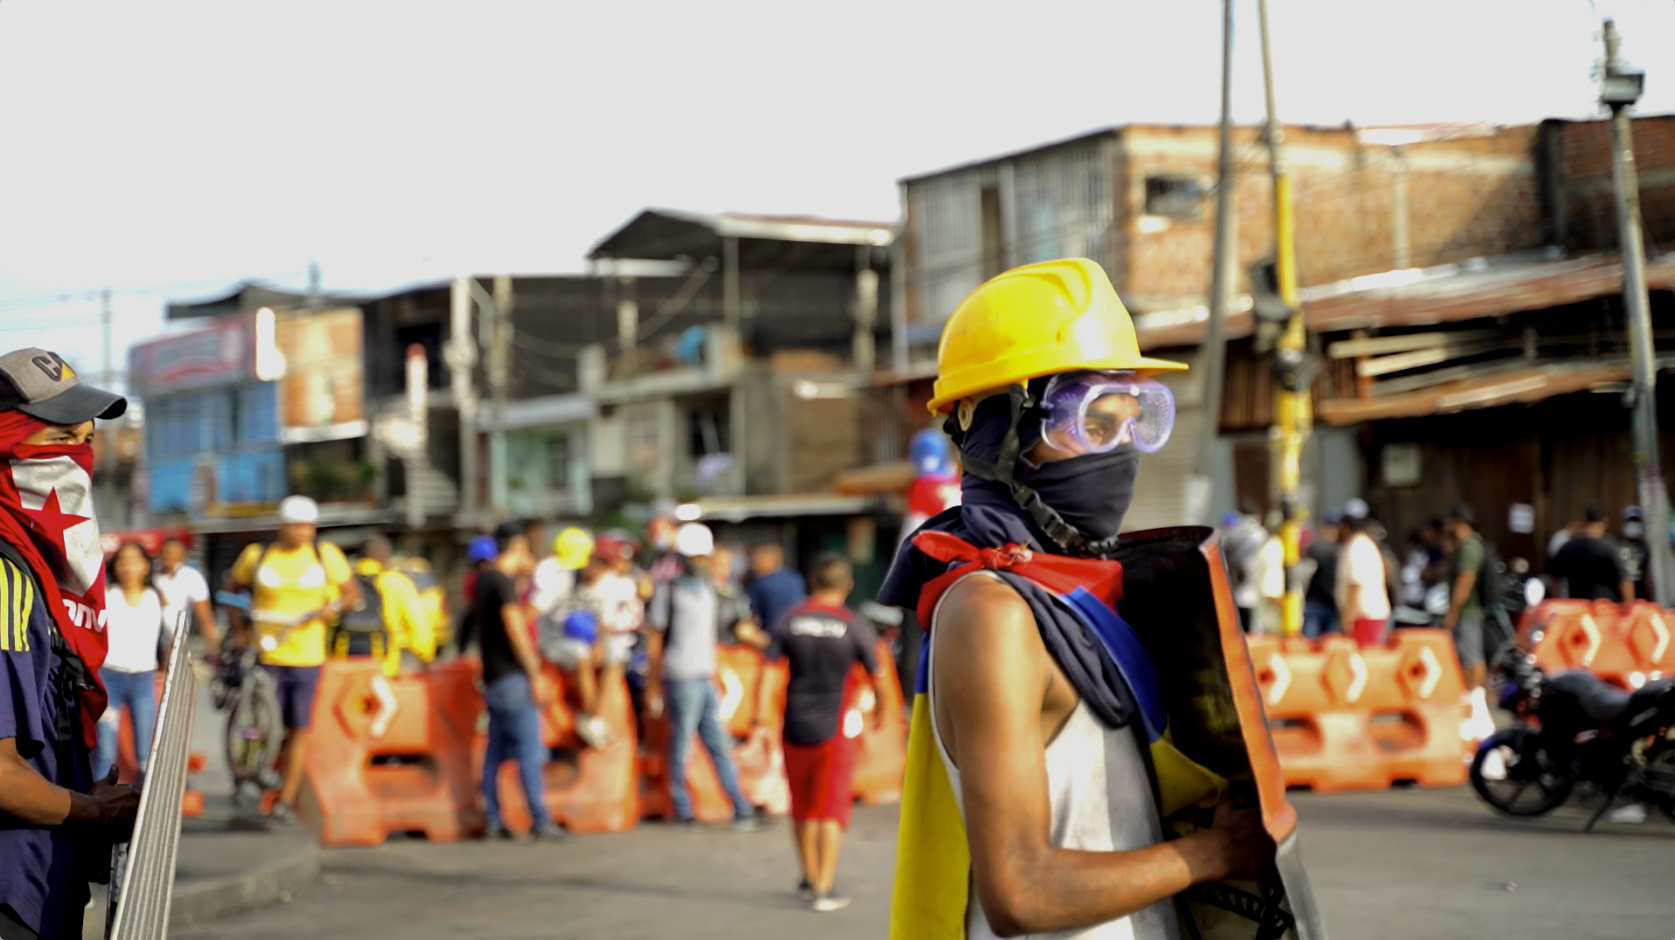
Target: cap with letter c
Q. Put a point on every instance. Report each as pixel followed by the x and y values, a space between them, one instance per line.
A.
pixel 42 385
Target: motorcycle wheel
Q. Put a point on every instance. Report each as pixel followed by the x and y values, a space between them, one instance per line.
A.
pixel 1660 776
pixel 1526 781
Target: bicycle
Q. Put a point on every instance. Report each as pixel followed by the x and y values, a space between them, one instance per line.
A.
pixel 249 694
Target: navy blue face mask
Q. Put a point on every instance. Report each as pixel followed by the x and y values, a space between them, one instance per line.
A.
pixel 1090 492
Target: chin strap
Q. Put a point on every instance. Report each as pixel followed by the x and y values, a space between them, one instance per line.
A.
pixel 1004 471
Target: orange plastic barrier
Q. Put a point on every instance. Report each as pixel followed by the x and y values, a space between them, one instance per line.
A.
pixel 1344 717
pixel 128 762
pixel 586 789
pixel 881 756
pixel 393 754
pixel 1626 649
pixel 757 753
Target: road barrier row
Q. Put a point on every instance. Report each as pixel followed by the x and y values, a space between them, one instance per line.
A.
pixel 405 754
pixel 1626 647
pixel 1349 717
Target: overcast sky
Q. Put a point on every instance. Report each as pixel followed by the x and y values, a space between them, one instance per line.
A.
pixel 169 148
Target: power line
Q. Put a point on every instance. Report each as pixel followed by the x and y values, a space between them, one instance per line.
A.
pixel 67 297
pixel 47 323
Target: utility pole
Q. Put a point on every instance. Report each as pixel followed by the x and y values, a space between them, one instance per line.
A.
pixel 313 285
pixel 1202 484
pixel 864 350
pixel 1620 88
pixel 1293 411
pixel 461 356
pixel 500 354
pixel 416 453
pixel 107 319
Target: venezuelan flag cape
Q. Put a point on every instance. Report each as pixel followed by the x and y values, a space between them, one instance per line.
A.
pixel 933 860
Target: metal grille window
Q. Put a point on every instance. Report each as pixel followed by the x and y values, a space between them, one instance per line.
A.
pixel 708 431
pixel 1174 197
pixel 558 461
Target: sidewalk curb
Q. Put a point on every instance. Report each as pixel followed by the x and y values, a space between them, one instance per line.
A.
pixel 210 899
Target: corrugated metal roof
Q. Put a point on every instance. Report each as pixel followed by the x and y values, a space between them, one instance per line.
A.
pixel 667 233
pixel 1518 385
pixel 1470 290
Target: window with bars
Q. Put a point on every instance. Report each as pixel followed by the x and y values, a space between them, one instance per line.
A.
pixel 1174 197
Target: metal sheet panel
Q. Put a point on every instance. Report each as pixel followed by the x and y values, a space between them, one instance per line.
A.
pixel 1177 597
pixel 142 872
pixel 1054 203
pixel 944 217
pixel 1061 206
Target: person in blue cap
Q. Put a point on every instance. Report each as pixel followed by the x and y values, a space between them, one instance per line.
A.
pixel 479 552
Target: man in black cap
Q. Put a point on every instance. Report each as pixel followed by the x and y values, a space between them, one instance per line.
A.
pixel 56 822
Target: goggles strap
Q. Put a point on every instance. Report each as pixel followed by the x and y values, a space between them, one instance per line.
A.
pixel 1003 471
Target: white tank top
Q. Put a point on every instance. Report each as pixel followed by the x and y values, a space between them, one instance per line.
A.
pixel 1101 800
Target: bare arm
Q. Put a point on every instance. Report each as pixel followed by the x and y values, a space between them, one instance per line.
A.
pixel 236 620
pixel 751 635
pixel 348 596
pixel 523 647
pixel 1463 586
pixel 39 802
pixel 206 624
pixel 992 681
pixel 764 696
pixel 654 672
pixel 1351 603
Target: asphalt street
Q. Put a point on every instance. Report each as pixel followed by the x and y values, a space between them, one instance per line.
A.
pixel 1385 866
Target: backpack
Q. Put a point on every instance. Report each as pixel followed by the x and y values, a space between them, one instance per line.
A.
pixel 368 618
pixel 1491 579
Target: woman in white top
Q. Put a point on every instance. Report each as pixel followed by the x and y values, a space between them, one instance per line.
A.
pixel 134 628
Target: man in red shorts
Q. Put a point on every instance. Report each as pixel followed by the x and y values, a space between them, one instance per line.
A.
pixel 821 640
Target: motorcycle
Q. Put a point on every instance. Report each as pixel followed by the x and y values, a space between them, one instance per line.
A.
pixel 1574 727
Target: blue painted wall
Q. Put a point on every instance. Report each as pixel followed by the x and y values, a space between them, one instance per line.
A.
pixel 234 428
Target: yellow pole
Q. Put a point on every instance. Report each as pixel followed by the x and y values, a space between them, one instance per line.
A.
pixel 1293 410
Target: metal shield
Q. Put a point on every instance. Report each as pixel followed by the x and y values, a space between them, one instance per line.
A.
pixel 142 871
pixel 1177 596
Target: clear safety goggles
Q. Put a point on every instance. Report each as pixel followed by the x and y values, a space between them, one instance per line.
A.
pixel 1097 412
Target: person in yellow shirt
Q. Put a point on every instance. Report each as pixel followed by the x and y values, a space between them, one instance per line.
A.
pixel 295 584
pixel 404 624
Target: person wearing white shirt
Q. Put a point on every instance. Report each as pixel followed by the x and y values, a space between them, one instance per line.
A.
pixel 184 592
pixel 1363 601
pixel 134 630
pixel 1267 572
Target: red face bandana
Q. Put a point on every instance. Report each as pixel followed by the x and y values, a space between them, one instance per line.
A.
pixel 46 513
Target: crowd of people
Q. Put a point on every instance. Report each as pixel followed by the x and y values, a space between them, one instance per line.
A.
pixel 608 613
pixel 85 634
pixel 1449 577
pixel 606 609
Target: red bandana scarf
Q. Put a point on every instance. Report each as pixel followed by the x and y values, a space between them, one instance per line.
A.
pixel 46 513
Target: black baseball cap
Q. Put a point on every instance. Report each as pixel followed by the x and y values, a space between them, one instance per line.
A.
pixel 42 385
pixel 1462 513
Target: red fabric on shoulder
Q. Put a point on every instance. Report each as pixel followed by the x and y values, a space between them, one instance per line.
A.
pixel 1060 574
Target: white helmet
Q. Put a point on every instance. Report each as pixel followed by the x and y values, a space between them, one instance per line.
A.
pixel 298 509
pixel 694 539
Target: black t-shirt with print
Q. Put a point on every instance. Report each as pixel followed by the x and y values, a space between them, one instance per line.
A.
pixel 820 643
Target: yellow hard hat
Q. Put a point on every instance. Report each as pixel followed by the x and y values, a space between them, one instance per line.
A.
pixel 573 546
pixel 1040 319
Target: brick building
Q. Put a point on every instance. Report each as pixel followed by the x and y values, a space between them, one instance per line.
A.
pixel 1444 269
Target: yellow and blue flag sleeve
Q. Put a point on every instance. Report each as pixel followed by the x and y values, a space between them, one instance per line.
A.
pixel 933 860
